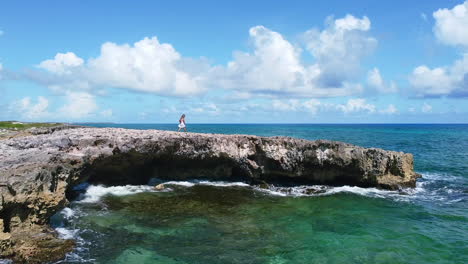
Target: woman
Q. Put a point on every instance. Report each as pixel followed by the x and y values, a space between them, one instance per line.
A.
pixel 182 123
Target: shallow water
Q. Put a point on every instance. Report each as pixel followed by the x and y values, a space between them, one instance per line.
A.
pixel 216 222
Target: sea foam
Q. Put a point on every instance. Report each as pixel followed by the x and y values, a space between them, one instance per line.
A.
pixel 428 188
pixel 95 192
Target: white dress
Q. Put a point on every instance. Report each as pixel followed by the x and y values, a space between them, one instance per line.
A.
pixel 181 124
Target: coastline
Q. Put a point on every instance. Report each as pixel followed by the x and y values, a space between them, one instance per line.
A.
pixel 57 160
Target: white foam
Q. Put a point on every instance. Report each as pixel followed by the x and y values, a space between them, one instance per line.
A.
pixel 374 192
pixel 65 233
pixel 439 177
pixel 210 183
pixel 223 184
pixel 67 212
pixel 180 183
pixel 323 190
pixel 95 192
pixel 424 190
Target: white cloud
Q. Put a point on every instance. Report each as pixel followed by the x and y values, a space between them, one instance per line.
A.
pixel 273 69
pixel 339 49
pixel 29 110
pixel 63 63
pixel 375 81
pixel 356 105
pixel 293 105
pixel 449 80
pixel 426 108
pixel 350 22
pixel 391 109
pixel 452 25
pixel 276 68
pixel 289 105
pixel 78 105
pixel 147 66
pixel 312 105
pixel 205 108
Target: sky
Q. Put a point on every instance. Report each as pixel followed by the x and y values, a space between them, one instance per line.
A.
pixel 360 61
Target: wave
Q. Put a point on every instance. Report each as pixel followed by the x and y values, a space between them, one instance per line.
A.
pixel 65 233
pixel 433 176
pixel 210 183
pixel 95 192
pixel 432 187
pixel 80 253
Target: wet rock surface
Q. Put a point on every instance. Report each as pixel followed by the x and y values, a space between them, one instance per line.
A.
pixel 38 171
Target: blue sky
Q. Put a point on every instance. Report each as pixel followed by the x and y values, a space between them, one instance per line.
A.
pixel 234 61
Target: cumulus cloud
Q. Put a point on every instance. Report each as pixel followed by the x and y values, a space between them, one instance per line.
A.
pixel 29 110
pixel 146 66
pixel 293 105
pixel 63 63
pixel 441 81
pixel 289 105
pixel 376 82
pixel 356 105
pixel 79 105
pixel 451 25
pixel 339 48
pixel 205 108
pixel 391 109
pixel 274 68
pixel 450 28
pixel 313 106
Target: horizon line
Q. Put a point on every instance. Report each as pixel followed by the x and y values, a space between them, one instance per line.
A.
pixel 253 123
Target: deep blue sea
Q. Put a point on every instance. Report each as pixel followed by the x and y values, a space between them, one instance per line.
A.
pixel 219 222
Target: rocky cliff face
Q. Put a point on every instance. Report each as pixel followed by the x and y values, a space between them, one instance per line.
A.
pixel 37 172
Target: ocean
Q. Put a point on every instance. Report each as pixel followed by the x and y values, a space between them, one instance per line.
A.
pixel 207 222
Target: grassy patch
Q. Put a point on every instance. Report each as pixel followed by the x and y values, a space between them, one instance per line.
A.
pixel 20 125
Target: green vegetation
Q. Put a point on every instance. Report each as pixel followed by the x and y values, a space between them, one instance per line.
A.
pixel 20 125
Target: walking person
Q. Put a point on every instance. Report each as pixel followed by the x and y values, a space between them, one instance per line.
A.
pixel 182 123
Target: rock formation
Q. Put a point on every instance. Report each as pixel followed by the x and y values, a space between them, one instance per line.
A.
pixel 38 172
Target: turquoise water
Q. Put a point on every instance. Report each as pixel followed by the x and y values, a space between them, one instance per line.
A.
pixel 217 222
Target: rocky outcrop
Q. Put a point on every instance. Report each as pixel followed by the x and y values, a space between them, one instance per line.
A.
pixel 37 172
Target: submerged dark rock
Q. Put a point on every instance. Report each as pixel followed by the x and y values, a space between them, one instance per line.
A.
pixel 38 172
